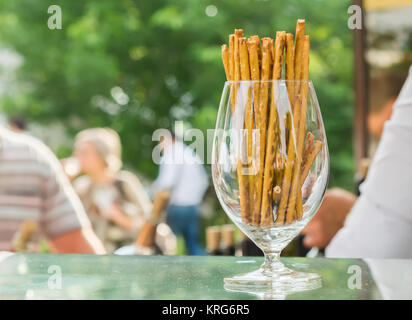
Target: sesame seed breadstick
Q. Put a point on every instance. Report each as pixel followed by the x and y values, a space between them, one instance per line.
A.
pixel 257 39
pixel 272 51
pixel 261 123
pixel 301 120
pixel 299 39
pixel 254 38
pixel 293 69
pixel 287 177
pixel 253 48
pixel 236 64
pixel 242 179
pixel 231 56
pixel 289 77
pixel 290 68
pixel 308 160
pixel 238 34
pixel 294 73
pixel 245 75
pixel 233 65
pixel 299 205
pixel 304 92
pixel 308 145
pixel 272 141
pixel 225 59
pixel 232 70
pixel 280 168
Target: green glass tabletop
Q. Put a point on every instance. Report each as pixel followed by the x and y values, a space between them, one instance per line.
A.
pixel 50 276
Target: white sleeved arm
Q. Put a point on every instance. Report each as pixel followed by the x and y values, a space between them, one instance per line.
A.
pixel 380 224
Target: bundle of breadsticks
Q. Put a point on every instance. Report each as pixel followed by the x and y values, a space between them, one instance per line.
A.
pixel 272 195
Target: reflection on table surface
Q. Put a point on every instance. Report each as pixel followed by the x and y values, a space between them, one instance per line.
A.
pixel 36 276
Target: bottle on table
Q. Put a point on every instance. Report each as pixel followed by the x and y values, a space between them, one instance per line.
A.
pixel 213 241
pixel 228 247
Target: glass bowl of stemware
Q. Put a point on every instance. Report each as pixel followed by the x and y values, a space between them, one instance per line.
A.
pixel 270 168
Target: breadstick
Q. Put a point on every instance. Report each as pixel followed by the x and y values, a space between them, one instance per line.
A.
pixel 290 68
pixel 293 195
pixel 243 192
pixel 299 39
pixel 287 177
pixel 280 167
pixel 292 90
pixel 261 123
pixel 257 39
pixel 232 70
pixel 272 51
pixel 245 75
pixel 308 160
pixel 299 205
pixel 255 42
pixel 276 193
pixel 254 38
pixel 253 49
pixel 289 75
pixel 266 210
pixel 235 75
pixel 308 145
pixel 243 181
pixel 301 121
pixel 304 93
pixel 231 56
pixel 236 65
pixel 244 60
pixel 306 165
pixel 238 34
pixel 225 59
pixel 302 126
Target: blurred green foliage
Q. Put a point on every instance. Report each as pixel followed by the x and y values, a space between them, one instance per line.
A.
pixel 165 55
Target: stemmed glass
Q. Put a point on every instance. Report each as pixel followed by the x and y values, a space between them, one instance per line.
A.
pixel 270 168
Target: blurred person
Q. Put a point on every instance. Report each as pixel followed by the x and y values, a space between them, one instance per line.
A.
pixel 18 124
pixel 115 200
pixel 329 219
pixel 33 188
pixel 182 174
pixel 377 224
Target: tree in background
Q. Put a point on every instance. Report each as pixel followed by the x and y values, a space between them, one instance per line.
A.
pixel 137 65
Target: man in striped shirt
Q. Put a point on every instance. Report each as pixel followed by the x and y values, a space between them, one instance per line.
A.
pixel 33 187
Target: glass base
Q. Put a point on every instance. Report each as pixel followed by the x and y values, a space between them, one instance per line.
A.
pixel 273 284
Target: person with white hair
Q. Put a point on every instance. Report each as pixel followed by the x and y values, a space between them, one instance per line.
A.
pixel 115 200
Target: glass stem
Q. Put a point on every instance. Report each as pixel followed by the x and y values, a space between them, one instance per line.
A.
pixel 272 263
